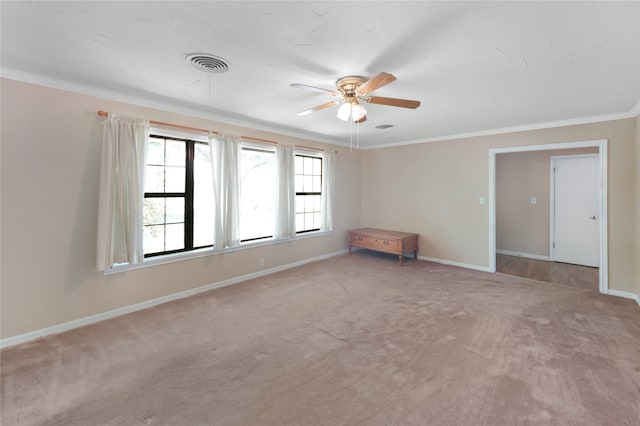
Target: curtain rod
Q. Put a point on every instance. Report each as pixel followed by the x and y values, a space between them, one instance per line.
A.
pixel 162 123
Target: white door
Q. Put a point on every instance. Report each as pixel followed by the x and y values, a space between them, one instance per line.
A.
pixel 575 202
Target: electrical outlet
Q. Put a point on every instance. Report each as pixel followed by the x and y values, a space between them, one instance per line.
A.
pixel 482 200
pixel 534 200
pixel 261 261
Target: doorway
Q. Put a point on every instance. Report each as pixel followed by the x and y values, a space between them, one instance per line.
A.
pixel 601 146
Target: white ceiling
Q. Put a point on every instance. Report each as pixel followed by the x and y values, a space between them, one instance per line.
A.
pixel 475 66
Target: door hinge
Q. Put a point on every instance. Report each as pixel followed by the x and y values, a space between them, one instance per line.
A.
pixel 554 245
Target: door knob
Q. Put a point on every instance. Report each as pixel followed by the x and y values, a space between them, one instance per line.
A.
pixel 593 217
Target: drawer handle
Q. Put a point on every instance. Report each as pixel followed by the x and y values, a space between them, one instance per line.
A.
pixel 386 243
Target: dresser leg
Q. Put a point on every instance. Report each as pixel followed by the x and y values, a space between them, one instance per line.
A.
pixel 349 249
pixel 400 259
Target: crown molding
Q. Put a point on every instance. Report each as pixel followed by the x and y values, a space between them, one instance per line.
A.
pixel 113 95
pixel 632 113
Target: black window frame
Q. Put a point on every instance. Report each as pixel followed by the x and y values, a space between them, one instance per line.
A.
pixel 298 154
pixel 187 195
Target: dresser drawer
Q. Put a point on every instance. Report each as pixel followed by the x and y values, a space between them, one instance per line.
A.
pixel 375 243
pixel 389 246
pixel 363 241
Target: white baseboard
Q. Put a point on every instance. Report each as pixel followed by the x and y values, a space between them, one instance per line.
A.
pixel 610 292
pixel 617 293
pixel 23 338
pixel 624 294
pixel 519 254
pixel 458 264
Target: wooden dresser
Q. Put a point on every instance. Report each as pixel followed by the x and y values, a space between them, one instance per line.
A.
pixel 386 241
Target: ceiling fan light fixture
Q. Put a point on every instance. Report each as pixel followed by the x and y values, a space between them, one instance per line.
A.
pixel 351 110
pixel 344 112
pixel 354 88
pixel 357 112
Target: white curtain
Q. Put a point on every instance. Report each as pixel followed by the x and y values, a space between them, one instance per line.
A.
pixel 286 195
pixel 121 195
pixel 328 189
pixel 225 151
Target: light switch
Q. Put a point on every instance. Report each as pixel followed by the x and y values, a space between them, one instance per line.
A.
pixel 482 200
pixel 534 200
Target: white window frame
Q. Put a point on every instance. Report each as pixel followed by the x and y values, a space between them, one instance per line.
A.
pixel 259 147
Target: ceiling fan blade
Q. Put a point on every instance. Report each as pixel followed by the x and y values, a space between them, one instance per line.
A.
pixel 318 108
pixel 317 89
pixel 376 82
pixel 362 120
pixel 403 103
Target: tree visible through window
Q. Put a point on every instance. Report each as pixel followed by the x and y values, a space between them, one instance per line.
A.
pixel 178 196
pixel 308 183
pixel 179 211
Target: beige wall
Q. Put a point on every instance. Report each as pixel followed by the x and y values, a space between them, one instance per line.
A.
pixel 434 189
pixel 50 157
pixel 50 169
pixel 521 226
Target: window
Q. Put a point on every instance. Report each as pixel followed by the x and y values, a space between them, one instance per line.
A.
pixel 308 182
pixel 258 180
pixel 202 191
pixel 178 196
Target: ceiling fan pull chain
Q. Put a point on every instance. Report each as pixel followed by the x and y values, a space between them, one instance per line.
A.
pixel 350 136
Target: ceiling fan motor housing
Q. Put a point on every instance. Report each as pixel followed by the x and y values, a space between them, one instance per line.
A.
pixel 349 85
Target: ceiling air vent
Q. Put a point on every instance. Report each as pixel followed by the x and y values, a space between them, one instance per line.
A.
pixel 208 63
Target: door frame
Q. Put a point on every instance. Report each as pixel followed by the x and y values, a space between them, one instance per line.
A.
pixel 552 202
pixel 601 144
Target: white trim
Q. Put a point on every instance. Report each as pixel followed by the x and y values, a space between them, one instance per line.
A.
pixel 601 144
pixel 604 216
pixel 492 211
pixel 453 263
pixel 207 114
pixel 633 113
pixel 194 254
pixel 550 146
pixel 552 208
pixel 520 254
pixel 625 295
pixel 22 338
pixel 55 83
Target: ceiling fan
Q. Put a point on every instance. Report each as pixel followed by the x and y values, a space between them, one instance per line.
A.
pixel 352 89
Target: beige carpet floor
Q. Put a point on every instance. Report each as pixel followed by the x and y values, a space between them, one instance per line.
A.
pixel 352 340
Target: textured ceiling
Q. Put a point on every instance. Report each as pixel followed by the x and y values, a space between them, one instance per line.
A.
pixel 474 66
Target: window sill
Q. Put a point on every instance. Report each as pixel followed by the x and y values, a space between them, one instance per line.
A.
pixel 194 254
